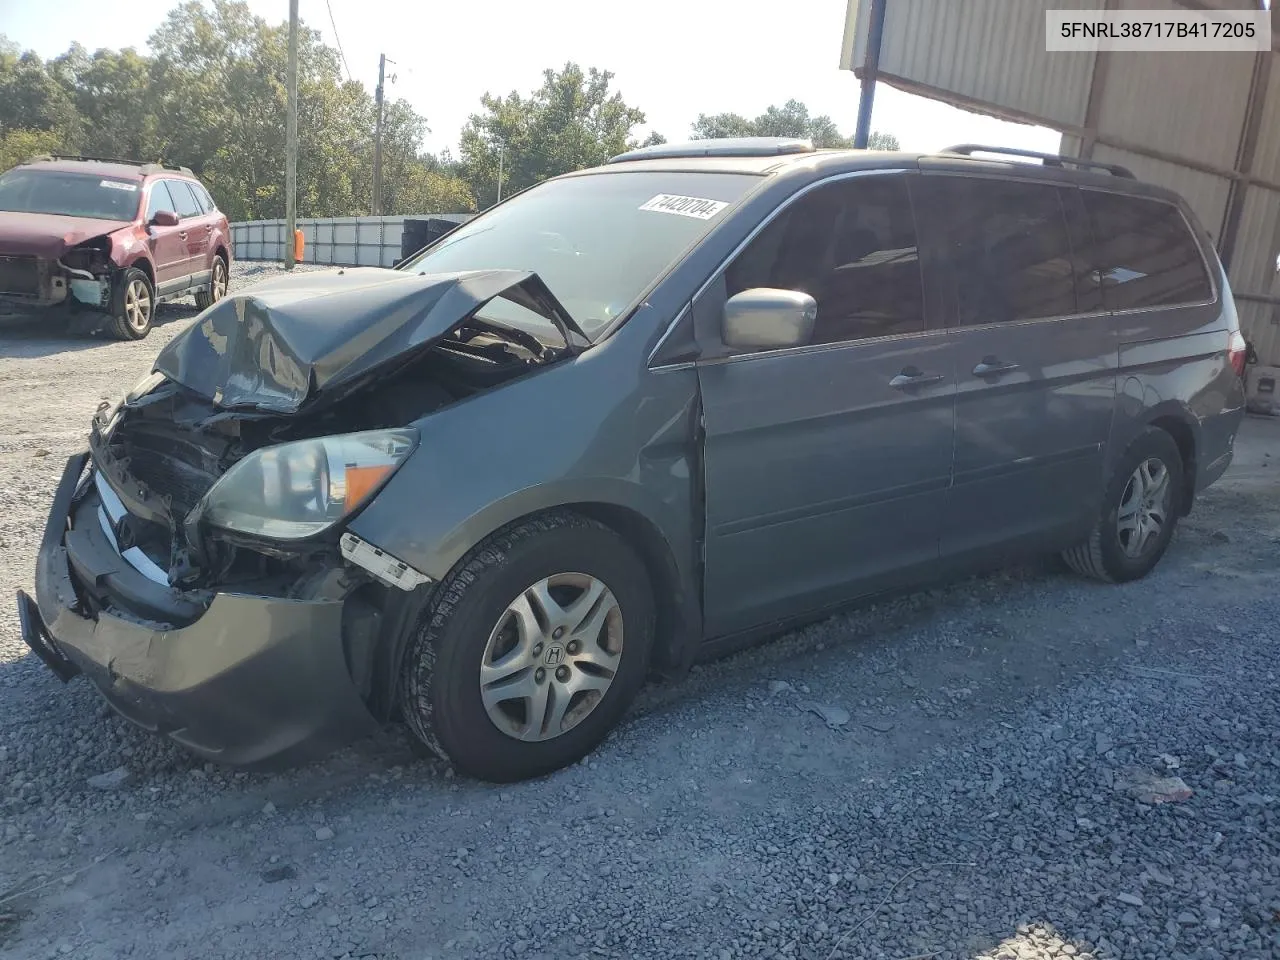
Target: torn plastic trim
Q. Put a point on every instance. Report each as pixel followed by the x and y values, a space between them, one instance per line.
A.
pixel 388 569
pixel 91 293
pixel 91 278
pixel 137 499
pixel 110 512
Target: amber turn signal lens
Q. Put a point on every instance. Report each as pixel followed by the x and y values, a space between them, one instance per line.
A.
pixel 362 481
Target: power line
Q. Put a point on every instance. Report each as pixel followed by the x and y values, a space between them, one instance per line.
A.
pixel 333 23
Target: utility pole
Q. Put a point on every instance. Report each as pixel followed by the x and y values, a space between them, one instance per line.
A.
pixel 377 138
pixel 501 146
pixel 291 141
pixel 870 70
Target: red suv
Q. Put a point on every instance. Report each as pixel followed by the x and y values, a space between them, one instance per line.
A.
pixel 105 240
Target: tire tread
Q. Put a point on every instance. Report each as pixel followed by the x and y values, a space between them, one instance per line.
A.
pixel 1086 558
pixel 119 324
pixel 415 683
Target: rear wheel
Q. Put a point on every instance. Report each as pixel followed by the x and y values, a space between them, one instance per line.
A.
pixel 532 651
pixel 1139 512
pixel 133 305
pixel 217 288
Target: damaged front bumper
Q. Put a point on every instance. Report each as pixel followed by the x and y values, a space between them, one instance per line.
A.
pixel 251 679
pixel 33 285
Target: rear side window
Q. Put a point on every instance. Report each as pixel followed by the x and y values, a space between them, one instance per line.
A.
pixel 851 245
pixel 184 200
pixel 1001 247
pixel 1145 253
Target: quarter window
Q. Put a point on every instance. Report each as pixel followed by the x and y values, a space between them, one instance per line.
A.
pixel 1146 255
pixel 1002 248
pixel 184 199
pixel 851 245
pixel 202 195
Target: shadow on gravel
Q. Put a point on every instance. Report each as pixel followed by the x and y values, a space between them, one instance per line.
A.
pixel 34 339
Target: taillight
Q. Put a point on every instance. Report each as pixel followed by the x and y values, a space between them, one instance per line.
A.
pixel 1236 352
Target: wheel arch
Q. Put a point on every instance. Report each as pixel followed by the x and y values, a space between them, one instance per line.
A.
pixel 677 601
pixel 142 263
pixel 678 626
pixel 1177 421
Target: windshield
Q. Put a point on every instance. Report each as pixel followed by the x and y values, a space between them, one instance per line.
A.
pixel 597 241
pixel 68 194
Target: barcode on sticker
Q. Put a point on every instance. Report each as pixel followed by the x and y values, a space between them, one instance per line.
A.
pixel 696 207
pixel 118 185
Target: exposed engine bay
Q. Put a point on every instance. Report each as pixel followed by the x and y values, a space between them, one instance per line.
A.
pixel 162 453
pixel 83 276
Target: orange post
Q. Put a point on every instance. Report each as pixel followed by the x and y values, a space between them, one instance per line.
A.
pixel 298 244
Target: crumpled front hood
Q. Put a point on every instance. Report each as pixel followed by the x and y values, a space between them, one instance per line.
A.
pixel 283 342
pixel 48 236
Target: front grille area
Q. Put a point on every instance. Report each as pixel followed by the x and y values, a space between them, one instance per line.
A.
pixel 22 276
pixel 169 466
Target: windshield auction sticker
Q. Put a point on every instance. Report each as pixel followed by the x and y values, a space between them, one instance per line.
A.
pixel 694 207
pixel 118 185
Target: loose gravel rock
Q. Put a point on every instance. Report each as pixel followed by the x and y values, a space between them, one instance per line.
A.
pixel 965 810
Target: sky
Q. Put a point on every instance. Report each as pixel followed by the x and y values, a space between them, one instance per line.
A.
pixel 673 59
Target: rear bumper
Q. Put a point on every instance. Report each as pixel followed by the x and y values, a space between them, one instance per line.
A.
pixel 253 679
pixel 1217 443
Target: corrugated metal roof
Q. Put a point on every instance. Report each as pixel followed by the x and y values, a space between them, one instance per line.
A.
pixel 1192 106
pixel 948 46
pixel 1206 193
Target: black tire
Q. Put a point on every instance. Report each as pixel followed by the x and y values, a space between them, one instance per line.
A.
pixel 127 323
pixel 217 287
pixel 1102 556
pixel 439 682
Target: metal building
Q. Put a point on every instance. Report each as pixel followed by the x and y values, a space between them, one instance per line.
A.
pixel 1205 124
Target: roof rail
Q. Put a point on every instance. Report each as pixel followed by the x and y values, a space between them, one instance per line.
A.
pixel 146 166
pixel 1048 159
pixel 720 147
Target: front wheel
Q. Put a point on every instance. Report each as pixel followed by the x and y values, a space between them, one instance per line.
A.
pixel 532 650
pixel 1139 511
pixel 133 305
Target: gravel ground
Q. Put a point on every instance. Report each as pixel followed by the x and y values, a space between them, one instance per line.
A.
pixel 970 796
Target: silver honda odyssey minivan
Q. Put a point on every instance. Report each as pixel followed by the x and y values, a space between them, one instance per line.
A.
pixel 631 417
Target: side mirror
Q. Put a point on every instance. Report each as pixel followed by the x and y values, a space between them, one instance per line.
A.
pixel 764 318
pixel 165 218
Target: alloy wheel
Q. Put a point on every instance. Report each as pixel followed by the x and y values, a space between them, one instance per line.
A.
pixel 551 657
pixel 137 305
pixel 1144 508
pixel 218 288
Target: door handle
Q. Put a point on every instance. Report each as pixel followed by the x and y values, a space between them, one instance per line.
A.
pixel 182 234
pixel 911 377
pixel 991 367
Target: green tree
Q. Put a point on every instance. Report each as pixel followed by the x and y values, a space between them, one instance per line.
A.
pixel 211 96
pixel 792 119
pixel 31 98
pixel 17 146
pixel 572 121
pixel 882 141
pixel 112 94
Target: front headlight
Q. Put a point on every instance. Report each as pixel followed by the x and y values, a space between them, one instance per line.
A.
pixel 296 490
